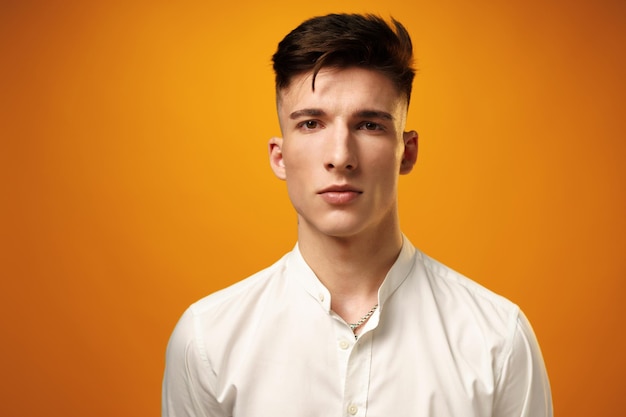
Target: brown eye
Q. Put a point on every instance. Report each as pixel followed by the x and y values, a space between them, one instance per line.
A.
pixel 371 126
pixel 310 124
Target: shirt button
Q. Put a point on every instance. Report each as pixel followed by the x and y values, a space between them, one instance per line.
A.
pixel 321 297
pixel 343 344
pixel 353 409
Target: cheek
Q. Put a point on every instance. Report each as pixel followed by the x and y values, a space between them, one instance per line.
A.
pixel 385 160
pixel 297 175
pixel 300 161
pixel 295 168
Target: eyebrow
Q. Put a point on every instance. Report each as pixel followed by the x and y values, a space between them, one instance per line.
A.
pixel 375 114
pixel 368 114
pixel 306 112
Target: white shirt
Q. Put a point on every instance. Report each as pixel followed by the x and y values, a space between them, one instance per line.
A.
pixel 438 345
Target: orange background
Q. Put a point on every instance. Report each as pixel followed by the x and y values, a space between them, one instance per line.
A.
pixel 135 180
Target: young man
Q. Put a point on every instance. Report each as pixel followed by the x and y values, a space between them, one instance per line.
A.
pixel 355 321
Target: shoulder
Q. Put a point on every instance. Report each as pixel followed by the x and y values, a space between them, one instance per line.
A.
pixel 483 327
pixel 247 288
pixel 214 315
pixel 502 324
pixel 229 302
pixel 203 335
pixel 469 311
pixel 448 283
pixel 216 333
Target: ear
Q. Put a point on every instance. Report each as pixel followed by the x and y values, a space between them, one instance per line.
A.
pixel 409 156
pixel 275 148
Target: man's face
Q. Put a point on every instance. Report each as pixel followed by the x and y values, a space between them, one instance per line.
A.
pixel 342 150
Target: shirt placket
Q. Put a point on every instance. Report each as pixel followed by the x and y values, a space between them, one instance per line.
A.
pixel 355 363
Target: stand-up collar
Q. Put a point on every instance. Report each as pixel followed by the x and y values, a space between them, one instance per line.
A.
pixel 298 270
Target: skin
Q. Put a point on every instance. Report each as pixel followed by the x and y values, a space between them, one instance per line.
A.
pixel 341 154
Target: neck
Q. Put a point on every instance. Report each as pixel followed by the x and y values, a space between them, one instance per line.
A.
pixel 352 268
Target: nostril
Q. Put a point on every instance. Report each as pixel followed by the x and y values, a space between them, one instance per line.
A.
pixel 347 167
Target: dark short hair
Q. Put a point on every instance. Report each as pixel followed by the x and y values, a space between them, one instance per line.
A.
pixel 346 40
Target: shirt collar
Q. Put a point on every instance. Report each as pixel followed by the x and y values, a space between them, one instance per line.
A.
pixel 299 270
pixel 399 271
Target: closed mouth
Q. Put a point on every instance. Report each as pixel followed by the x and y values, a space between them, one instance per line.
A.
pixel 340 189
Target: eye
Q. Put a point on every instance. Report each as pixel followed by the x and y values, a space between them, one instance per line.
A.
pixel 309 124
pixel 371 126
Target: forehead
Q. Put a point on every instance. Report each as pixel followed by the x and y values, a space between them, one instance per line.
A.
pixel 342 89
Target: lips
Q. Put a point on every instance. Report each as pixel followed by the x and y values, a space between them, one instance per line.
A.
pixel 340 194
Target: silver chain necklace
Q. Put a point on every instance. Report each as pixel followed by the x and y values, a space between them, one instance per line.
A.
pixel 363 319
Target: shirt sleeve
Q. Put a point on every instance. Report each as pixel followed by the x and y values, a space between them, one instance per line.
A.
pixel 522 387
pixel 188 380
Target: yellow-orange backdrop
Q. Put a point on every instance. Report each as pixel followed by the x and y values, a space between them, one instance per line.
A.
pixel 135 181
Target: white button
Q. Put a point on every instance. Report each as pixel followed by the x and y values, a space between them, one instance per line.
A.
pixel 353 409
pixel 321 297
pixel 343 344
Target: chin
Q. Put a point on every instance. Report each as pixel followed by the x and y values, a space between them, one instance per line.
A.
pixel 341 230
pixel 338 224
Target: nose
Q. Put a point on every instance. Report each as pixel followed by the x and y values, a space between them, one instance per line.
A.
pixel 341 151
